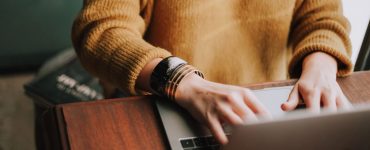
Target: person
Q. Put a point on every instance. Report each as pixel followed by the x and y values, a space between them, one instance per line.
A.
pixel 146 46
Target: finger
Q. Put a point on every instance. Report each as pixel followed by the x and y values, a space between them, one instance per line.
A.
pixel 312 100
pixel 238 105
pixel 342 102
pixel 216 129
pixel 254 104
pixel 329 101
pixel 229 115
pixel 292 101
pixel 250 116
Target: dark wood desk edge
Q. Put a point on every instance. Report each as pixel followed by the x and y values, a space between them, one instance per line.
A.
pixel 293 81
pixel 61 126
pixel 113 100
pixel 146 101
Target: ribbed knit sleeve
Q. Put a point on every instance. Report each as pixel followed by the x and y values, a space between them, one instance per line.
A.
pixel 319 25
pixel 108 38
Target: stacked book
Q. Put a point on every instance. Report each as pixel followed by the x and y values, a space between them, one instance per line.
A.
pixel 62 79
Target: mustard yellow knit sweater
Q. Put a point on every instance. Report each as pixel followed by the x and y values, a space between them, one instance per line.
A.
pixel 230 41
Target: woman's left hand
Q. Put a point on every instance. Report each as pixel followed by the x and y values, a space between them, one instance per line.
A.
pixel 317 85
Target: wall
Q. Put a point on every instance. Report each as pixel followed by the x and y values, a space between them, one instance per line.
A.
pixel 358 13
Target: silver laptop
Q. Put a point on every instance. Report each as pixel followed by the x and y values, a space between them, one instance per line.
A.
pixel 294 130
pixel 301 130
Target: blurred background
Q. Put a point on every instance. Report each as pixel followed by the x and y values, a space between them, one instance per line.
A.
pixel 31 31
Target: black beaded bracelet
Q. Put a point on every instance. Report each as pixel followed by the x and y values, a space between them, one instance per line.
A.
pixel 162 72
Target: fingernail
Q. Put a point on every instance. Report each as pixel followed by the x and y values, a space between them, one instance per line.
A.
pixel 282 106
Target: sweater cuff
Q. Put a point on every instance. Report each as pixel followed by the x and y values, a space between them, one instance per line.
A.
pixel 137 60
pixel 345 66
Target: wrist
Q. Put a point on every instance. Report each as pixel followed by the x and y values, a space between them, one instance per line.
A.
pixel 320 62
pixel 187 85
pixel 143 80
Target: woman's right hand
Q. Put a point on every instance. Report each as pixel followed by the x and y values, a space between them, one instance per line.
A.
pixel 213 103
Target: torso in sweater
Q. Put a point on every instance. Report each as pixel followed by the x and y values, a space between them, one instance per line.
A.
pixel 230 41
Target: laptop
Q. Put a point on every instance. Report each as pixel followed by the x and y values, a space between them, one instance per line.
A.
pixel 301 130
pixel 293 130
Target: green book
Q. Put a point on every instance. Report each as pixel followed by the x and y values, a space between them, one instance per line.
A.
pixel 62 79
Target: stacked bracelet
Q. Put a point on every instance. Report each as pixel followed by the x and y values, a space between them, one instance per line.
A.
pixel 168 74
pixel 177 76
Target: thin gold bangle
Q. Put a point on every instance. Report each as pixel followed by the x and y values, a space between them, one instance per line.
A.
pixel 172 78
pixel 177 81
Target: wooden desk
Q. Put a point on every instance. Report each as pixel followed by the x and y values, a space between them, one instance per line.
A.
pixel 132 123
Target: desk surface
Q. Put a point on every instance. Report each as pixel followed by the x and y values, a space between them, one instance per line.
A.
pixel 132 123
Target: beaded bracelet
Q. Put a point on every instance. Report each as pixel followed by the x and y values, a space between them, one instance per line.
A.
pixel 162 73
pixel 168 74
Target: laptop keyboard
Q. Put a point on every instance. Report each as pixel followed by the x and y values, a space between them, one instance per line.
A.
pixel 200 143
